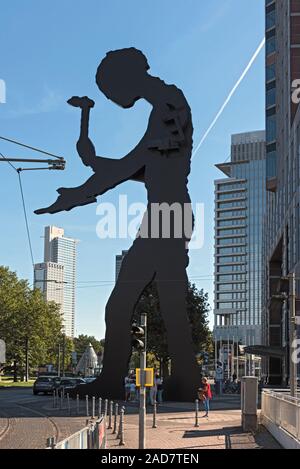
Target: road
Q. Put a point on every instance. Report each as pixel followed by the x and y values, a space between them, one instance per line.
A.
pixel 26 421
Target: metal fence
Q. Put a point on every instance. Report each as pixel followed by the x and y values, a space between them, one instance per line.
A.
pixel 281 410
pixel 93 436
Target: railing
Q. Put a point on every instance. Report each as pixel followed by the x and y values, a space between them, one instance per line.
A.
pixel 283 411
pixel 93 436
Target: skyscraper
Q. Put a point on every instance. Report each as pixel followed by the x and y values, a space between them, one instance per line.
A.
pixel 58 273
pixel 282 236
pixel 240 201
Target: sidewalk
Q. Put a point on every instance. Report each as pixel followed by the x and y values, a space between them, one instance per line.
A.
pixel 176 430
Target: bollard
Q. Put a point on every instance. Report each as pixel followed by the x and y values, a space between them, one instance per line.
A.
pixel 51 442
pixel 116 418
pixel 68 403
pixel 154 414
pixel 87 405
pixel 54 400
pixel 77 403
pixel 196 413
pixel 119 427
pixel 249 397
pixel 99 407
pixel 105 407
pixel 122 442
pixel 93 407
pixel 111 404
pixel 61 399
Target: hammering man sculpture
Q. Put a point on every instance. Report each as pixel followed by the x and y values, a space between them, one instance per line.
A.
pixel 161 160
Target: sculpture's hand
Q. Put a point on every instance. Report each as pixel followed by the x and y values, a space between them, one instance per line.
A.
pixel 68 199
pixel 83 103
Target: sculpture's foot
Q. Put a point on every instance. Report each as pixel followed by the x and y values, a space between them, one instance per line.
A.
pixel 105 387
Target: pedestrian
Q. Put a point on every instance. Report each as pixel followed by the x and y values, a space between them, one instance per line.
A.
pixel 153 392
pixel 132 390
pixel 159 388
pixel 205 395
pixel 127 388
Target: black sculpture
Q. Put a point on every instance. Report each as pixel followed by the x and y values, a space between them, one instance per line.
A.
pixel 162 161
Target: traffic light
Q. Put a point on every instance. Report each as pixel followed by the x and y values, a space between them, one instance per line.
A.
pixel 138 337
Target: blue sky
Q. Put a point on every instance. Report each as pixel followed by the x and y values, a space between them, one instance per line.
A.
pixel 49 51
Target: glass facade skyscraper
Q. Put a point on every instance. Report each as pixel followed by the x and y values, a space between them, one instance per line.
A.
pixel 282 227
pixel 240 201
pixel 60 252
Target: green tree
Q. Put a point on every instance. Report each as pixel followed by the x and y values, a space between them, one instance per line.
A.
pixel 197 311
pixel 27 321
pixel 82 342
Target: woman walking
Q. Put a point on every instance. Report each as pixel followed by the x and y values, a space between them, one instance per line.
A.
pixel 205 395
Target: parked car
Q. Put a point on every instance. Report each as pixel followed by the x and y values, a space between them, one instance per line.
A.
pixel 45 384
pixel 89 379
pixel 67 384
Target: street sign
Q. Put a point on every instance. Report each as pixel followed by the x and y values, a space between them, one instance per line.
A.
pixel 219 373
pixel 2 351
pixel 148 377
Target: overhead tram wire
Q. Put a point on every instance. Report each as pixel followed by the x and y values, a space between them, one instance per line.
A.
pixel 30 147
pixel 23 207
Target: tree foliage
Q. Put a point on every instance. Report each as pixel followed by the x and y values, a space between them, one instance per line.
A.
pixel 82 342
pixel 197 311
pixel 26 316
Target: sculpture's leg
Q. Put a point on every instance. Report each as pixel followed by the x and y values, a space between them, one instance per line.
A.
pixel 172 284
pixel 136 274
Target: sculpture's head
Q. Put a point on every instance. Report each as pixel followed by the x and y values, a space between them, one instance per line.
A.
pixel 121 74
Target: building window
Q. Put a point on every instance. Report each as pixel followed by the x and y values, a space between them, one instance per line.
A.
pixel 271 45
pixel 271 97
pixel 271 72
pixel 271 128
pixel 271 19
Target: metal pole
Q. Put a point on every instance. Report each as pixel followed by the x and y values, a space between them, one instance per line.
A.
pixel 58 359
pixel 63 355
pixel 293 335
pixel 27 360
pixel 116 418
pixel 122 443
pixel 68 402
pixel 99 406
pixel 111 404
pixel 237 360
pixel 105 407
pixel 143 365
pixel 77 403
pixel 232 357
pixel 54 402
pixel 154 414
pixel 87 405
pixel 197 413
pixel 221 358
pixel 228 362
pixel 93 407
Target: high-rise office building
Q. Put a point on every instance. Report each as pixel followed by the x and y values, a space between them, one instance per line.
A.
pixel 49 277
pixel 119 260
pixel 240 200
pixel 282 236
pixel 59 257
